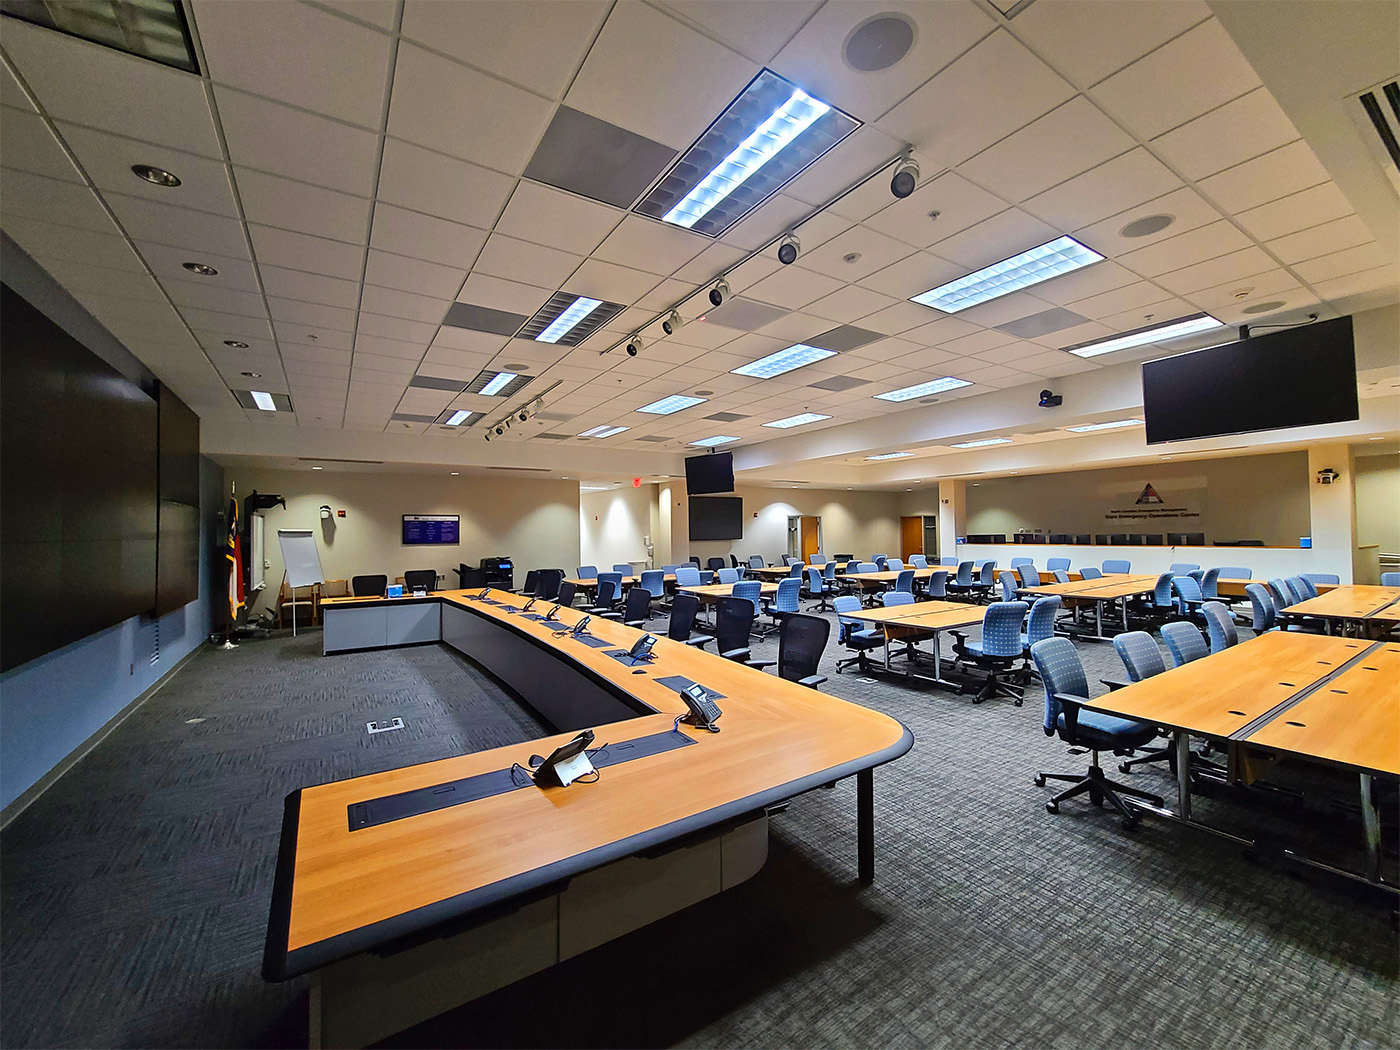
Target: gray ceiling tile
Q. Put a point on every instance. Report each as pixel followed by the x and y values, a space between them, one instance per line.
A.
pixel 727 417
pixel 846 337
pixel 595 159
pixel 484 319
pixel 409 417
pixel 434 383
pixel 839 383
pixel 1043 323
pixel 745 314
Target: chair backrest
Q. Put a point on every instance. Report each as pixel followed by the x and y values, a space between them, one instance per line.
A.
pixel 894 565
pixel 1209 585
pixel 843 558
pixel 695 560
pixel 936 586
pixel 734 561
pixel 1061 575
pixel 880 561
pixel 1001 628
pixel 829 571
pixel 818 559
pixel 919 561
pixel 625 568
pixel 588 572
pixel 683 610
pixel 707 576
pixel 1280 595
pixel 1182 568
pixel 1029 576
pixel 801 641
pixel 1016 563
pixel 1117 565
pixel 964 577
pixel 1197 574
pixel 549 582
pixel 795 570
pixel 788 559
pixel 756 561
pixel 1297 588
pixel 335 589
pixel 789 591
pixel 988 576
pixel 1090 573
pixel 1306 585
pixel 1388 579
pixel 750 590
pixel 421 579
pixel 1236 572
pixel 950 561
pixel 687 576
pixel 1041 623
pixel 1060 673
pixel 608 586
pixel 727 575
pixel 878 557
pixel 1184 642
pixel 1263 605
pixel 369 586
pixel 891 598
pixel 1058 563
pixel 1008 585
pixel 1140 654
pixel 905 581
pixel 814 580
pixel 715 564
pixel 566 593
pixel 1162 592
pixel 733 622
pixel 532 582
pixel 1220 625
pixel 653 580
pixel 866 566
pixel 669 570
pixel 847 603
pixel 637 605
pixel 1332 578
pixel 1188 590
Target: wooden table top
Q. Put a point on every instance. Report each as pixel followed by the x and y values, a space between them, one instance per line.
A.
pixel 1108 588
pixel 776 572
pixel 776 736
pixel 351 599
pixel 929 616
pixel 1353 720
pixel 627 581
pixel 1352 602
pixel 711 591
pixel 1221 694
pixel 890 575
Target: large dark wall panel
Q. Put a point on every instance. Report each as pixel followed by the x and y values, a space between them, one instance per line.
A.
pixel 78 470
pixel 177 549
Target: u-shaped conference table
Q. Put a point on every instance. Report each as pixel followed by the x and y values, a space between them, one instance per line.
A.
pixel 384 863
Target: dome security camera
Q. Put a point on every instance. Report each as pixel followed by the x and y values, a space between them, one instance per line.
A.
pixel 634 346
pixel 672 323
pixel 719 293
pixel 788 249
pixel 906 176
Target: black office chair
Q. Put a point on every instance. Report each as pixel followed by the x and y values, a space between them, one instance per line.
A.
pixel 532 580
pixel 715 564
pixel 420 579
pixel 566 594
pixel 695 560
pixel 369 586
pixel 636 608
pixel 548 583
pixel 801 641
pixel 605 598
pixel 733 622
pixel 681 628
pixel 734 561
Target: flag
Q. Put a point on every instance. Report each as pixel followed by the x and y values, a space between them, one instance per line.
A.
pixel 233 553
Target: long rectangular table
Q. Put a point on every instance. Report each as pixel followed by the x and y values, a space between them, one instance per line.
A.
pixel 1332 700
pixel 712 592
pixel 1118 587
pixel 909 623
pixel 1361 605
pixel 591 582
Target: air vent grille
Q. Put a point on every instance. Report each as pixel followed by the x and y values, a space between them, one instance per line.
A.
pixel 1377 114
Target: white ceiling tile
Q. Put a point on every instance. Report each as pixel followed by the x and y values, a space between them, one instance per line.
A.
pixel 29 196
pixel 977 343
pixel 310 287
pixel 274 201
pixel 793 287
pixel 1060 145
pixel 1343 263
pixel 1000 237
pixel 1174 253
pixel 985 95
pixel 1261 287
pixel 1380 279
pixel 1250 125
pixel 228 326
pixel 1295 212
pixel 900 317
pixel 1204 68
pixel 1284 171
pixel 1297 299
pixel 1011 353
pixel 665 294
pixel 413 275
pixel 484 290
pixel 465 341
pixel 300 251
pixel 689 79
pixel 82 277
pixel 448 107
pixel 1086 40
pixel 1073 336
pixel 851 303
pixel 540 52
pixel 959 204
pixel 1134 177
pixel 1116 301
pixel 382 13
pixel 1325 239
pixel 710 263
pixel 560 220
pixel 864 200
pixel 777 215
pixel 405 232
pixel 910 276
pixel 291 329
pixel 397 328
pixel 30 146
pixel 74 79
pixel 386 354
pixel 298 55
pixel 522 261
pixel 299 145
pixel 929 359
pixel 756 31
pixel 875 251
pixel 1230 267
pixel 853 158
pixel 610 282
pixel 313 316
pixel 212 297
pixel 1165 309
pixel 77 245
pixel 656 247
pixel 179 227
pixel 1189 210
pixel 430 182
pixel 1069 287
pixel 394 302
pixel 11 94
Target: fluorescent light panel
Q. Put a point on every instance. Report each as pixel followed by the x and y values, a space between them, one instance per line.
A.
pixel 1114 425
pixel 457 418
pixel 796 421
pixel 891 455
pixel 562 325
pixel 796 356
pixel 983 443
pixel 497 384
pixel 674 403
pixel 1062 255
pixel 263 400
pixel 711 442
pixel 934 386
pixel 1142 336
pixel 603 431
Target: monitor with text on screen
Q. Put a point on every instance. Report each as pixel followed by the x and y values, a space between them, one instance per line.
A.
pixel 1297 377
pixel 712 472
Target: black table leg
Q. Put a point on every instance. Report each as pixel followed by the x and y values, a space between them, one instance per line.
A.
pixel 865 824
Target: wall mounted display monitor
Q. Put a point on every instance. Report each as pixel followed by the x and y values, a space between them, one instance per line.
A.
pixel 716 518
pixel 712 472
pixel 430 529
pixel 1297 377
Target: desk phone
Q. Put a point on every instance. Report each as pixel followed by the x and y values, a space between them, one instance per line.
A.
pixel 704 712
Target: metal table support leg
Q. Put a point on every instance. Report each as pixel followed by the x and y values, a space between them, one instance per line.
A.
pixel 865 824
pixel 1371 825
pixel 1183 775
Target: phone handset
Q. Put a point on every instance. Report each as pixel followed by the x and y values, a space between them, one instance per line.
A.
pixel 530 604
pixel 582 626
pixel 704 712
pixel 486 593
pixel 552 612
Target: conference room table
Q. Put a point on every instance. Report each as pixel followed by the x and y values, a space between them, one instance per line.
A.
pixel 886 578
pixel 777 572
pixel 1360 606
pixel 591 582
pixel 1325 699
pixel 915 621
pixel 1116 587
pixel 347 884
pixel 708 593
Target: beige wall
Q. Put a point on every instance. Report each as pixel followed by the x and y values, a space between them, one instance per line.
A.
pixel 1378 501
pixel 862 523
pixel 534 521
pixel 613 523
pixel 1259 497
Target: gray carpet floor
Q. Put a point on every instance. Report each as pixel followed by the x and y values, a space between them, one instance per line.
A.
pixel 134 893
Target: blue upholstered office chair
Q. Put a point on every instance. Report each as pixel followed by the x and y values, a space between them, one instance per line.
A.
pixel 781 605
pixel 733 623
pixel 1182 568
pixel 727 575
pixel 751 591
pixel 1309 588
pixel 854 634
pixel 1388 579
pixel 918 561
pixel 1184 642
pixel 687 576
pixel 998 649
pixel 1188 595
pixel 1117 565
pixel 1142 658
pixel 588 572
pixel 623 567
pixel 1221 626
pixel 894 565
pixel 801 640
pixel 608 593
pixel 950 561
pixel 1041 622
pixel 1262 605
pixel 1016 563
pixel 1315 578
pixel 905 581
pixel 818 559
pixel 1008 585
pixel 1236 572
pixel 818 589
pixel 963 585
pixel 867 566
pixel 1210 586
pixel 1282 598
pixel 1298 589
pixel 1066 688
pixel 879 557
pixel 636 608
pixel 756 561
pixel 682 625
pixel 891 599
pixel 653 580
pixel 880 561
pixel 1029 576
pixel 829 574
pixel 1061 575
pixel 1090 573
pixel 986 581
pixel 1062 564
pixel 795 570
pixel 936 586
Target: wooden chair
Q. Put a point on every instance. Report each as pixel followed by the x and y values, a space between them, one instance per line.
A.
pixel 307 600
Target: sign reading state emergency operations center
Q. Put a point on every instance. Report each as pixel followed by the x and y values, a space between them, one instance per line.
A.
pixel 430 528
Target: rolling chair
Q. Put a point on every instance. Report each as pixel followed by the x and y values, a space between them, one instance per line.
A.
pixel 781 605
pixel 1029 576
pixel 1184 642
pixel 532 580
pixel 549 582
pixel 715 564
pixel 1090 573
pixel 854 635
pixel 817 588
pixel 1040 624
pixel 918 561
pixel 607 595
pixel 425 579
pixel 756 561
pixel 750 591
pixel 695 560
pixel 1061 564
pixel 1388 579
pixel 1016 563
pixel 1066 689
pixel 936 586
pixel 1142 659
pixel 817 559
pixel 682 625
pixel 636 608
pixel 796 569
pixel 565 597
pixel 986 580
pixel 1221 626
pixel 801 640
pixel 1008 585
pixel 904 582
pixel 733 622
pixel 727 575
pixel 734 562
pixel 894 565
pixel 1188 596
pixel 622 567
pixel 1117 566
pixel 1061 575
pixel 1262 605
pixel 369 586
pixel 963 585
pixel 999 648
pixel 588 572
pixel 687 576
pixel 1162 606
pixel 1182 568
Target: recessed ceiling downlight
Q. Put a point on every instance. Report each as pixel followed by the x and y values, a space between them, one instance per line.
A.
pixel 1147 225
pixel 1263 308
pixel 203 269
pixel 879 42
pixel 157 176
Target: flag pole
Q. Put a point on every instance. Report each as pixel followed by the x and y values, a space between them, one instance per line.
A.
pixel 229 643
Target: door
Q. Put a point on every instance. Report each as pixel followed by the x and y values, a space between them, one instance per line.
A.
pixel 811 538
pixel 911 537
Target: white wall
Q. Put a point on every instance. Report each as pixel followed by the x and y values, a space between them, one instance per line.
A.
pixel 1378 501
pixel 533 521
pixel 612 524
pixel 862 523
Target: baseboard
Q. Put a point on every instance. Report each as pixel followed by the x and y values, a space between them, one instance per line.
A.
pixel 27 797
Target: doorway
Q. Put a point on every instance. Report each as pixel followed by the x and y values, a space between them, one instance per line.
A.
pixel 804 536
pixel 911 536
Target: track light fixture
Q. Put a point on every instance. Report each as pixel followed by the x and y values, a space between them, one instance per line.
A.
pixel 488 434
pixel 672 324
pixel 634 346
pixel 719 293
pixel 500 429
pixel 788 249
pixel 906 176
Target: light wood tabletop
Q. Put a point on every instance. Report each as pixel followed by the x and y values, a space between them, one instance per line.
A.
pixel 888 576
pixel 1106 588
pixel 627 581
pixel 775 734
pixel 1352 602
pixel 776 572
pixel 709 592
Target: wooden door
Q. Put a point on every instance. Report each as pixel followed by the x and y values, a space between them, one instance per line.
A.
pixel 810 543
pixel 911 537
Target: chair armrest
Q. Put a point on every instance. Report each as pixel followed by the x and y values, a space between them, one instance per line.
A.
pixel 1112 684
pixel 610 615
pixel 700 640
pixel 762 664
pixel 1071 704
pixel 736 654
pixel 812 680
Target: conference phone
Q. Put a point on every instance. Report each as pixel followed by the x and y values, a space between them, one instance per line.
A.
pixel 704 712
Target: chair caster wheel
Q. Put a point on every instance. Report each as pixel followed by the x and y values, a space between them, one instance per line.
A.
pixel 1019 701
pixel 1052 807
pixel 1123 767
pixel 1129 825
pixel 1039 781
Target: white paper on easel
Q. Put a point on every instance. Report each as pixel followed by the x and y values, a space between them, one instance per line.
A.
pixel 300 557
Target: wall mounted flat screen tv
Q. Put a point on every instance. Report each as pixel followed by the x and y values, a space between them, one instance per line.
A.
pixel 431 529
pixel 1297 377
pixel 712 472
pixel 716 518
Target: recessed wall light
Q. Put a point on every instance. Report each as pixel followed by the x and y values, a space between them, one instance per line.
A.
pixel 201 269
pixel 156 176
pixel 797 421
pixel 983 443
pixel 235 344
pixel 934 386
pixel 1051 259
pixel 1142 336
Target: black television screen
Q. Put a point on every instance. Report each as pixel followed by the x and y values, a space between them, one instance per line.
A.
pixel 712 472
pixel 1298 377
pixel 716 518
